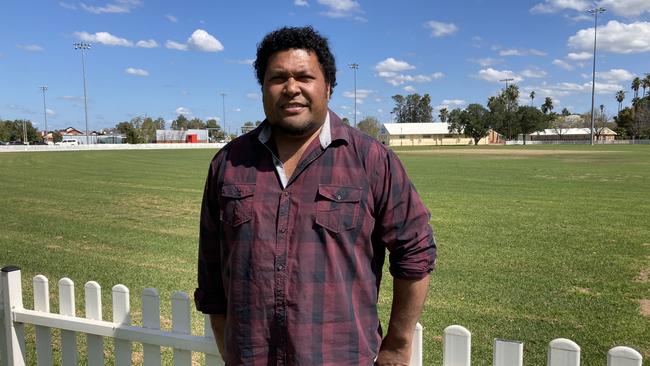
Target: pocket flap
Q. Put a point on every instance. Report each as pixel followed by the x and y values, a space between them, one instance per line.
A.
pixel 340 193
pixel 237 190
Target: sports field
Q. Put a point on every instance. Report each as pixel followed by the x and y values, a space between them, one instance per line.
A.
pixel 535 242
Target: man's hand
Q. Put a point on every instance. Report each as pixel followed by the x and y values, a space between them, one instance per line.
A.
pixel 218 324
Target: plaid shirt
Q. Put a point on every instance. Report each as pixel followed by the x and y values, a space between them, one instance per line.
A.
pixel 296 264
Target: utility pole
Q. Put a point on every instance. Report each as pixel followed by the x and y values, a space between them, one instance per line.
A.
pixel 594 12
pixel 43 89
pixel 84 46
pixel 355 67
pixel 506 80
pixel 223 104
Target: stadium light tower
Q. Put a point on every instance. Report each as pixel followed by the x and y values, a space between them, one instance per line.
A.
pixel 594 12
pixel 43 89
pixel 84 46
pixel 355 67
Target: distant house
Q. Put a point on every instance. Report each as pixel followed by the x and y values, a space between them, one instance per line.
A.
pixel 73 133
pixel 181 136
pixel 573 134
pixel 427 134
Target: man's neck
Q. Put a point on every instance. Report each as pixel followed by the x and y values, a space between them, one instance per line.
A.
pixel 291 148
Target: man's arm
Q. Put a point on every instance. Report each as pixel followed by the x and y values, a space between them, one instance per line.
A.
pixel 218 324
pixel 408 300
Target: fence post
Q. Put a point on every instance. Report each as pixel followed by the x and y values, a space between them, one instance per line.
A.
pixel 151 320
pixel 95 343
pixel 122 316
pixel 416 346
pixel 456 346
pixel 181 323
pixel 563 352
pixel 43 335
pixel 12 297
pixel 508 353
pixel 623 356
pixel 67 307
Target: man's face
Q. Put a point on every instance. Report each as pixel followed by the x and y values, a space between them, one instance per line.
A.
pixel 295 92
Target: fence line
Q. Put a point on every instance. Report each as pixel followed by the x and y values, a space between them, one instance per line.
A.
pixel 457 340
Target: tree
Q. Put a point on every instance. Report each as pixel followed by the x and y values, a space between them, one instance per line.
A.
pixel 548 105
pixel 412 108
pixel 565 112
pixel 645 83
pixel 444 113
pixel 148 130
pixel 532 97
pixel 636 84
pixel 13 130
pixel 214 129
pixel 620 97
pixel 345 121
pixel 399 111
pixel 502 112
pixel 472 121
pixel 369 126
pixel 56 136
pixel 180 123
pixel 196 124
pixel 530 119
pixel 424 109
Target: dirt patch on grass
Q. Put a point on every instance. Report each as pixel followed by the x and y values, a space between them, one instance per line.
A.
pixel 645 272
pixel 506 152
pixel 645 307
pixel 583 291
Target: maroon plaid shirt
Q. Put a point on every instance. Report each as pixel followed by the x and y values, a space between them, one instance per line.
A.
pixel 297 269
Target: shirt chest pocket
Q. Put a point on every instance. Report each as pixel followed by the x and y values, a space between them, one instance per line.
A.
pixel 237 203
pixel 337 207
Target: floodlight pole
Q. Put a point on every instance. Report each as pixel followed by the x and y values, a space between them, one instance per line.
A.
pixel 223 104
pixel 84 46
pixel 355 67
pixel 43 89
pixel 595 12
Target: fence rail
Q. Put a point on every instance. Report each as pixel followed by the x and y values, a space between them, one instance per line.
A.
pixel 457 340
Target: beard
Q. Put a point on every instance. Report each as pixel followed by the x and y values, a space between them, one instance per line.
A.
pixel 296 131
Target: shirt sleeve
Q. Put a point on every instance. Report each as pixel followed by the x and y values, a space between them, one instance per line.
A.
pixel 209 296
pixel 402 223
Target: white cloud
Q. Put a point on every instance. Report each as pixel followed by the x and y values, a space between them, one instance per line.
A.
pixel 533 73
pixel 30 47
pixel 50 112
pixel 392 65
pixel 340 8
pixel 147 44
pixel 395 79
pixel 440 29
pixel 451 104
pixel 300 3
pixel 172 45
pixel 119 6
pixel 184 111
pixel 495 76
pixel 409 89
pixel 171 18
pixel 361 94
pixel 487 61
pixel 254 96
pixel 201 40
pixel 136 72
pixel 581 56
pixel 563 64
pixel 104 38
pixel 67 5
pixel 615 37
pixel 553 6
pixel 627 8
pixel 246 61
pixel 521 52
pixel 615 75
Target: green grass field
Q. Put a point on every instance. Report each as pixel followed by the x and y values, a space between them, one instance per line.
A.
pixel 535 242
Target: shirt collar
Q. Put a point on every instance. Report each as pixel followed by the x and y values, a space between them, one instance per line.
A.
pixel 325 136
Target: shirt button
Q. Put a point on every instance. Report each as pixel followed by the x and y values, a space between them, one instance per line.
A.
pixel 283 230
pixel 286 193
pixel 338 196
pixel 280 267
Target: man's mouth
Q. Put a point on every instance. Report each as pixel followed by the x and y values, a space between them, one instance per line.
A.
pixel 293 107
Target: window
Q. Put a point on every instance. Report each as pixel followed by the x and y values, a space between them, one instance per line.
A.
pixel 402 136
pixel 426 136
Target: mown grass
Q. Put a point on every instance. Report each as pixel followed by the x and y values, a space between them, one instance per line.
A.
pixel 535 242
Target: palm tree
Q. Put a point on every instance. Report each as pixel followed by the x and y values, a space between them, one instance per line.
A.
pixel 444 113
pixel 636 84
pixel 548 105
pixel 645 83
pixel 620 97
pixel 532 97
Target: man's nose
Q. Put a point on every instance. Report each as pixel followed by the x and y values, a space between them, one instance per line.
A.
pixel 291 87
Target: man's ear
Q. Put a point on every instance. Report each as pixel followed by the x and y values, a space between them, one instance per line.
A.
pixel 329 91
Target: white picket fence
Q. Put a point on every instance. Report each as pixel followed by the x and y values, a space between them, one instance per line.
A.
pixel 13 317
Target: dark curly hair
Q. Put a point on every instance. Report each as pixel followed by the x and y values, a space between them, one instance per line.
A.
pixel 305 38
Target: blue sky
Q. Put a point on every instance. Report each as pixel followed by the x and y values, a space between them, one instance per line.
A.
pixel 161 58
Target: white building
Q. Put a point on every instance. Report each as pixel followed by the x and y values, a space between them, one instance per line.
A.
pixel 427 133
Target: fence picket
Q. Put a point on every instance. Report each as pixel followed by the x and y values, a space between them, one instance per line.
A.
pixel 624 356
pixel 416 346
pixel 151 320
pixel 14 333
pixel 122 316
pixel 43 334
pixel 93 294
pixel 67 307
pixel 457 346
pixel 207 332
pixel 181 323
pixel 508 353
pixel 3 337
pixel 563 352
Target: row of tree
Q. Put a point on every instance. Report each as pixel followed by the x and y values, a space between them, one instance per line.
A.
pixel 14 130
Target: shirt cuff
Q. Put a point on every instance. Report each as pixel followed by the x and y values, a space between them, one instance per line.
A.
pixel 208 303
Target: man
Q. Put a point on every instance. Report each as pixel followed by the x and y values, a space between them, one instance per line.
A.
pixel 295 222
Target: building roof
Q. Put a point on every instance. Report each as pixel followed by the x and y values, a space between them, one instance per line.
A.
pixel 422 128
pixel 572 131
